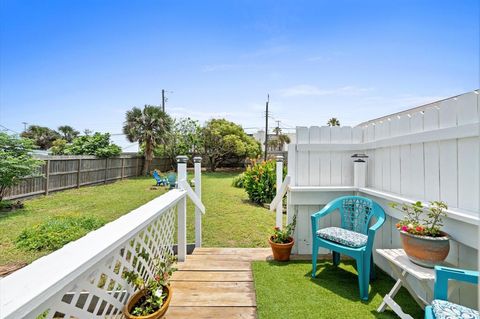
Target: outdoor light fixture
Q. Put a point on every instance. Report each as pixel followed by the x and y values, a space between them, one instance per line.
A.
pixel 359 157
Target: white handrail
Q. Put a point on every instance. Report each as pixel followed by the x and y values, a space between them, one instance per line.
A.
pixel 41 285
pixel 183 184
pixel 280 193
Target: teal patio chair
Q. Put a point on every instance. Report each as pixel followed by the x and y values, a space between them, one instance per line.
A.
pixel 354 238
pixel 172 180
pixel 441 308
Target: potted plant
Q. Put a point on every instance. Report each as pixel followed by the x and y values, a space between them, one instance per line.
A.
pixel 420 232
pixel 152 296
pixel 282 242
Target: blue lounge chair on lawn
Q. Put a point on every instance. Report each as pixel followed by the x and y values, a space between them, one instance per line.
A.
pixel 161 181
pixel 172 180
pixel 441 307
pixel 354 238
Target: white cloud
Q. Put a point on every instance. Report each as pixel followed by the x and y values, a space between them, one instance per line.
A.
pixel 312 90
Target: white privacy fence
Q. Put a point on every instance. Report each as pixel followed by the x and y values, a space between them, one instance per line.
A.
pixel 84 279
pixel 428 153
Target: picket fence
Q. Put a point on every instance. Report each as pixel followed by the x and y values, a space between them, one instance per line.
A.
pixel 427 153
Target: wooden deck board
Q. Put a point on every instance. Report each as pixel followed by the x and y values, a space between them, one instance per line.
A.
pixel 216 283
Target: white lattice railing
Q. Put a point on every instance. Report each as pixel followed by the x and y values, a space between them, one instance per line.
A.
pixel 84 278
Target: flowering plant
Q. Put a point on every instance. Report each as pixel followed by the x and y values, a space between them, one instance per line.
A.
pixel 154 288
pixel 283 236
pixel 415 223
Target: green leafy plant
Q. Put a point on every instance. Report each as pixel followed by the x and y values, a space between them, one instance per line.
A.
pixel 6 205
pixel 97 144
pixel 153 289
pixel 284 236
pixel 239 181
pixel 260 181
pixel 16 161
pixel 55 232
pixel 420 220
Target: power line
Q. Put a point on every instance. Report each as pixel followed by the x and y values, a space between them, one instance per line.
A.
pixel 7 129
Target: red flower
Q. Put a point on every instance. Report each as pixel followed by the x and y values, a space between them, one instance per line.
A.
pixel 419 228
pixel 277 228
pixel 157 278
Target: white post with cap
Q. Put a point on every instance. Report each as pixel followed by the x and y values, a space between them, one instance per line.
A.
pixel 359 170
pixel 279 173
pixel 198 190
pixel 182 211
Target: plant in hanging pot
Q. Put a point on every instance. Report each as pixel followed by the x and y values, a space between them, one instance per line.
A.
pixel 282 241
pixel 152 296
pixel 420 231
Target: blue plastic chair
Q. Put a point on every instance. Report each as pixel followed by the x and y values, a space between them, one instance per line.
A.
pixel 161 181
pixel 354 238
pixel 172 180
pixel 440 293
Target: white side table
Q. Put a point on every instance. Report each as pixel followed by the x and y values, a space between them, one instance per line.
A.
pixel 403 268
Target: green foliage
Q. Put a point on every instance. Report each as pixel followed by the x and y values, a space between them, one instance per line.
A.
pixel 261 181
pixel 16 161
pixel 149 127
pixel 185 138
pixel 333 122
pixel 239 181
pixel 97 144
pixel 153 288
pixel 223 139
pixel 6 205
pixel 413 222
pixel 283 236
pixel 42 136
pixel 68 133
pixel 58 147
pixel 56 232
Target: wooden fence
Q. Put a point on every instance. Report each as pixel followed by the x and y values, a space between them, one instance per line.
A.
pixel 64 172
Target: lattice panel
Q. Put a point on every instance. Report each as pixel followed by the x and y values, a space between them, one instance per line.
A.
pixel 102 291
pixel 356 214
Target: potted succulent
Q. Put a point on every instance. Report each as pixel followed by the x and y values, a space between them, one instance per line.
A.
pixel 282 241
pixel 152 296
pixel 420 232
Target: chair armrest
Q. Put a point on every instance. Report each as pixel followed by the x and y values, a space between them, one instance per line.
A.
pixel 372 230
pixel 443 274
pixel 328 209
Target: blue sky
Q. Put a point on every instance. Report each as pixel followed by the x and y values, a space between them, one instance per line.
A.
pixel 84 63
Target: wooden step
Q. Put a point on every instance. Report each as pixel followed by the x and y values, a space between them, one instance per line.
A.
pixel 211 312
pixel 214 265
pixel 236 276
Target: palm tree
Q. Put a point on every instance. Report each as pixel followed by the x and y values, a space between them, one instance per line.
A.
pixel 149 127
pixel 333 122
pixel 42 136
pixel 68 133
pixel 282 140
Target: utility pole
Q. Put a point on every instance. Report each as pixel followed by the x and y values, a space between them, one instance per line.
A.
pixel 278 127
pixel 266 126
pixel 24 126
pixel 163 100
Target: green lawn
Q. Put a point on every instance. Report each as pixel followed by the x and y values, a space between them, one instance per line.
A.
pixel 286 290
pixel 230 221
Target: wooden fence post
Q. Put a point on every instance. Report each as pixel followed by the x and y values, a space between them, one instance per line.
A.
pixel 182 211
pixel 79 171
pixel 198 190
pixel 279 214
pixel 47 176
pixel 106 170
pixel 123 168
pixel 136 167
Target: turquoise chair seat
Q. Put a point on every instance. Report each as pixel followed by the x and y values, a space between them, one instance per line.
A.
pixel 441 308
pixel 354 238
pixel 343 236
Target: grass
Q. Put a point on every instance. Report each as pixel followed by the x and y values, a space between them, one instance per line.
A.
pixel 230 221
pixel 286 290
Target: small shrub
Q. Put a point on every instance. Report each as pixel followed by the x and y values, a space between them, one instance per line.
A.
pixel 260 181
pixel 56 232
pixel 238 181
pixel 7 205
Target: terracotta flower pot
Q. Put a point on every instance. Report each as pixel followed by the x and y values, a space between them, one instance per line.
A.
pixel 156 315
pixel 425 251
pixel 281 252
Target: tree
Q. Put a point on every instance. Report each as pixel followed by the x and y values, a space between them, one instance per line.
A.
pixel 185 138
pixel 68 133
pixel 42 136
pixel 223 139
pixel 97 144
pixel 16 161
pixel 333 122
pixel 149 127
pixel 58 147
pixel 281 139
